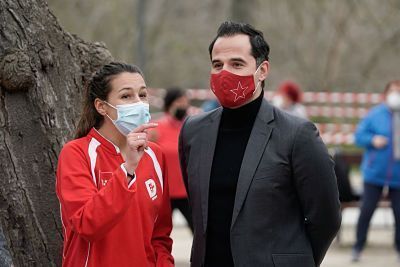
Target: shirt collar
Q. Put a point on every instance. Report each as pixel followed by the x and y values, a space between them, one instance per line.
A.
pixel 104 141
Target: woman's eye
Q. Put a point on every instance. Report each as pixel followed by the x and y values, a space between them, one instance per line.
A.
pixel 143 95
pixel 124 96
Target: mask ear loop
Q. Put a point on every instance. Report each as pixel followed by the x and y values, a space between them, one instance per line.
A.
pixel 112 107
pixel 255 89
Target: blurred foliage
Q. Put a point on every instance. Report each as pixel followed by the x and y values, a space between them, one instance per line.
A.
pixel 342 45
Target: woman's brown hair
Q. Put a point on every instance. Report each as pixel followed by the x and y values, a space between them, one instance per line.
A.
pixel 99 86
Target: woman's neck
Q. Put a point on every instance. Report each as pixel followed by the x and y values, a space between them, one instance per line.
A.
pixel 112 134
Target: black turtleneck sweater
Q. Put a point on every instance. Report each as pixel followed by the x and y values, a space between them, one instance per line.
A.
pixel 233 135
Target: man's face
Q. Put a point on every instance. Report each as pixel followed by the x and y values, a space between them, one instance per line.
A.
pixel 233 54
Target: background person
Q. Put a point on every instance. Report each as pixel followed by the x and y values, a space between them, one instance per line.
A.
pixel 376 133
pixel 176 105
pixel 288 98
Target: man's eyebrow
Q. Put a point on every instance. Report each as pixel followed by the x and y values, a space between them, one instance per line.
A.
pixel 238 59
pixel 215 61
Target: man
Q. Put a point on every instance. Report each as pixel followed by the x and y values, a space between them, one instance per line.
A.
pixel 260 182
pixel 379 134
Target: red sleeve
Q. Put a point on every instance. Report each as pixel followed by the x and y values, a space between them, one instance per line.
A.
pixel 90 212
pixel 161 239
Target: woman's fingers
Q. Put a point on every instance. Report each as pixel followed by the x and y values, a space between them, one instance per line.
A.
pixel 144 127
pixel 135 141
pixel 139 137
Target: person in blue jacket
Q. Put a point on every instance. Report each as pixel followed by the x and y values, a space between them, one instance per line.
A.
pixel 380 165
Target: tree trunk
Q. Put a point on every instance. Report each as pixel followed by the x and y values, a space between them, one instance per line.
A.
pixel 42 72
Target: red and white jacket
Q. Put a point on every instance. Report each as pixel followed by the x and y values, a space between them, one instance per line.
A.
pixel 168 132
pixel 106 221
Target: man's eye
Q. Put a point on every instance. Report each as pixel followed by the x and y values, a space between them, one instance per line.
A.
pixel 236 65
pixel 217 66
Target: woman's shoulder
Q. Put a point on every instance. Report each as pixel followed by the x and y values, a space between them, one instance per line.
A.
pixel 78 145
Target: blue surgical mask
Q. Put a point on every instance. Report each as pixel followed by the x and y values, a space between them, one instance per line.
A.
pixel 130 116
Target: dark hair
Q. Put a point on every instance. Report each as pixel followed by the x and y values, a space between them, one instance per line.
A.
pixel 99 87
pixel 259 47
pixel 172 94
pixel 390 84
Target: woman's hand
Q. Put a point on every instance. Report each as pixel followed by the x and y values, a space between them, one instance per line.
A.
pixel 136 143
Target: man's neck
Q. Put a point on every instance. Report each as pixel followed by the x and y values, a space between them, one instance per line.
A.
pixel 242 117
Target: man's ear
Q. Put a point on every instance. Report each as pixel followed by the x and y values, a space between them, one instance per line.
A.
pixel 264 70
pixel 99 105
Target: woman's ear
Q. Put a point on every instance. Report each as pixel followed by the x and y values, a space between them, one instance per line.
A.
pixel 99 105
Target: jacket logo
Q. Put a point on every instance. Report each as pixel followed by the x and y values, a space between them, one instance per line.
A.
pixel 151 188
pixel 104 177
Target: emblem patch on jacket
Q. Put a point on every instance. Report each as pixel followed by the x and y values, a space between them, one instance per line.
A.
pixel 151 188
pixel 104 177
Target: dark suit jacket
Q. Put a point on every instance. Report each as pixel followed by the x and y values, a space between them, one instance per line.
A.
pixel 286 211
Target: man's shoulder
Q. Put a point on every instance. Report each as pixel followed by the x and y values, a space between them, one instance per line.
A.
pixel 286 119
pixel 195 123
pixel 290 128
pixel 202 118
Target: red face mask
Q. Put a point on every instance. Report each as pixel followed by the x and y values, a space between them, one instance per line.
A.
pixel 232 90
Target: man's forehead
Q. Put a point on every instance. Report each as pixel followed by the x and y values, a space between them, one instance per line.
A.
pixel 238 44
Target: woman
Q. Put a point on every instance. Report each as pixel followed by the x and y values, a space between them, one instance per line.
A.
pixel 111 181
pixel 166 135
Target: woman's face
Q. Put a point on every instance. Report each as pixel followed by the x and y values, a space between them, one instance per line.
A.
pixel 126 88
pixel 393 89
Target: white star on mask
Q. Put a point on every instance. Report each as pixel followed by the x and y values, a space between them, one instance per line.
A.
pixel 239 92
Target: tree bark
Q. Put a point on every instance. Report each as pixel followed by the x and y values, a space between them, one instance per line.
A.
pixel 42 72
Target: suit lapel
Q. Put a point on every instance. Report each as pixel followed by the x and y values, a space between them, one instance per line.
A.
pixel 258 140
pixel 209 135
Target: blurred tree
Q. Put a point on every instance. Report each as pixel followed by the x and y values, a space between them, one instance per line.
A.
pixel 141 25
pixel 322 44
pixel 42 70
pixel 242 10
